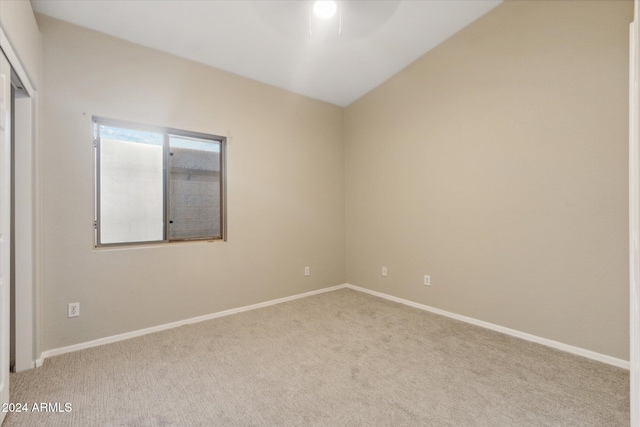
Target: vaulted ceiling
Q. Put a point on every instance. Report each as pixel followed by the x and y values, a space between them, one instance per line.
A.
pixel 283 43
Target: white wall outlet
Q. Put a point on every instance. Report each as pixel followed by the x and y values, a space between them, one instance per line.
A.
pixel 74 309
pixel 427 280
pixel 306 271
pixel 384 271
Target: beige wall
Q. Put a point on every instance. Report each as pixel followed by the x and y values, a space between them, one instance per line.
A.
pixel 20 27
pixel 497 163
pixel 285 189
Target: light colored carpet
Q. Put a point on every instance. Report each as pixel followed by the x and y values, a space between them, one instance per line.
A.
pixel 341 358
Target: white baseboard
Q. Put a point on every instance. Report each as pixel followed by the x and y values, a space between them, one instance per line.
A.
pixel 139 332
pixel 522 335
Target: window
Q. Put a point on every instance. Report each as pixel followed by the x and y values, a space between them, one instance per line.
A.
pixel 157 185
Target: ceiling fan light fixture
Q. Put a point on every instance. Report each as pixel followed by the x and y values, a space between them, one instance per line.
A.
pixel 325 9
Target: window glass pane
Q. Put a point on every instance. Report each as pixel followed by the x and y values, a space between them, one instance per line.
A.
pixel 131 186
pixel 194 181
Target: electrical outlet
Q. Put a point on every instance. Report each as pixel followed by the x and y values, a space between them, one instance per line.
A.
pixel 427 280
pixel 306 271
pixel 74 309
pixel 384 271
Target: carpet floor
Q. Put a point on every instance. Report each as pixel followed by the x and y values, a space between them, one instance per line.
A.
pixel 341 358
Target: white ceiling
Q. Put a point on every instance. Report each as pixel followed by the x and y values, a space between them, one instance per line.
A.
pixel 269 40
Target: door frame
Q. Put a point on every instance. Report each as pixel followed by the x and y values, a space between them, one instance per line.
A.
pixel 6 93
pixel 634 217
pixel 27 317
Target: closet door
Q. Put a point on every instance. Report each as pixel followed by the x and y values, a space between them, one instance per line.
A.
pixel 5 226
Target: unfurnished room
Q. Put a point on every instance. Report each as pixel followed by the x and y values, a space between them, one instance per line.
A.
pixel 319 213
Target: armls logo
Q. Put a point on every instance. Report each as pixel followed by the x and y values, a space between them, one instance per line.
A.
pixel 51 407
pixel 37 407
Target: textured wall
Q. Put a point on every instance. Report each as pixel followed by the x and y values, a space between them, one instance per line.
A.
pixel 497 163
pixel 285 160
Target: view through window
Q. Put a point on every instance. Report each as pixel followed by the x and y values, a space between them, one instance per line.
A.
pixel 157 184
